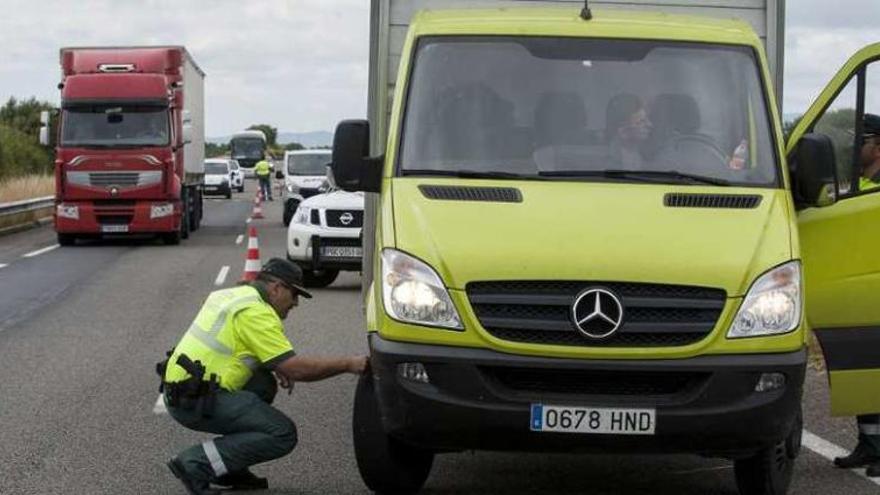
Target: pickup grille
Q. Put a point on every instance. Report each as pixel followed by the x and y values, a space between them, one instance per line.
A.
pixel 539 312
pixel 337 218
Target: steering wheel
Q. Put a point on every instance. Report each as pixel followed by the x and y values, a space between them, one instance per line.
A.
pixel 682 142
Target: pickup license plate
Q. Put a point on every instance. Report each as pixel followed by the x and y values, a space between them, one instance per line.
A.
pixel 112 229
pixel 612 421
pixel 341 252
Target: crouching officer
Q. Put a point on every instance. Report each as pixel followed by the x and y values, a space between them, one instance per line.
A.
pixel 218 379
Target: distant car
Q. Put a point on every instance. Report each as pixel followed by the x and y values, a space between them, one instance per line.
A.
pixel 324 236
pixel 218 179
pixel 236 175
pixel 304 172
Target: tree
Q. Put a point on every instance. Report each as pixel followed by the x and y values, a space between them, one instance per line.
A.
pixel 20 151
pixel 270 132
pixel 293 147
pixel 214 150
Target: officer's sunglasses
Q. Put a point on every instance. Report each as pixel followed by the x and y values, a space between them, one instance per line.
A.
pixel 294 293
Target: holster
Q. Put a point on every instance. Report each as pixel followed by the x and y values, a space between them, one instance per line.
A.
pixel 193 393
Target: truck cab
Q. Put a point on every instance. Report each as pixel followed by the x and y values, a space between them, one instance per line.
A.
pixel 588 238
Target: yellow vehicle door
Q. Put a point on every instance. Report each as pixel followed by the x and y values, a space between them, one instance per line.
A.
pixel 840 236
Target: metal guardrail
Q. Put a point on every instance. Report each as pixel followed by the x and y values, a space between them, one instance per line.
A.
pixel 27 205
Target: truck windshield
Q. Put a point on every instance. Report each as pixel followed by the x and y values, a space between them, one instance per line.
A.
pixel 573 109
pixel 247 148
pixel 109 126
pixel 307 164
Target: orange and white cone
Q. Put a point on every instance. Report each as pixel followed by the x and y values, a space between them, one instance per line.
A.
pixel 258 207
pixel 252 265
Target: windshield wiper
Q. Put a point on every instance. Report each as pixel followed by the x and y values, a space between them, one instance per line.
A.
pixel 470 174
pixel 642 175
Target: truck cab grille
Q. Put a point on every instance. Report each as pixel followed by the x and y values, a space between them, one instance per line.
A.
pixel 539 312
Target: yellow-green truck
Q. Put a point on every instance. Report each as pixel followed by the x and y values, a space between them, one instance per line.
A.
pixel 589 234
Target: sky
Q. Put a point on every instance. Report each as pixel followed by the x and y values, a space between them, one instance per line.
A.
pixel 302 65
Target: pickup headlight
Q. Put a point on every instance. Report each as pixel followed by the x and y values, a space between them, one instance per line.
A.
pixel 773 304
pixel 302 215
pixel 292 189
pixel 413 292
pixel 68 211
pixel 161 210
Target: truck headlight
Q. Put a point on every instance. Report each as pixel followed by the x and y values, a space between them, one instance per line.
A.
pixel 773 304
pixel 292 189
pixel 161 210
pixel 413 292
pixel 302 215
pixel 68 211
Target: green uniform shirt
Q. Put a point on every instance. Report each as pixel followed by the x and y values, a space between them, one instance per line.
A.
pixel 262 168
pixel 235 332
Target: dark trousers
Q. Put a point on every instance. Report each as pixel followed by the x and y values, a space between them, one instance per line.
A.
pixel 252 430
pixel 869 432
pixel 266 187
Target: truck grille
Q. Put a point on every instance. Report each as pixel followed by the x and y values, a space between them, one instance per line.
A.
pixel 115 179
pixel 595 383
pixel 539 312
pixel 338 218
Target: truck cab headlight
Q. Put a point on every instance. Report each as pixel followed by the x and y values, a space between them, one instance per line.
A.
pixel 413 292
pixel 302 215
pixel 68 211
pixel 773 304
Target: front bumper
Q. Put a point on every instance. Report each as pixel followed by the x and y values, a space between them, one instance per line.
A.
pixel 217 188
pixel 304 243
pixel 481 399
pixel 125 217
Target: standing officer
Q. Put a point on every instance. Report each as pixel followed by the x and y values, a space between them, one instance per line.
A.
pixel 263 170
pixel 219 380
pixel 867 451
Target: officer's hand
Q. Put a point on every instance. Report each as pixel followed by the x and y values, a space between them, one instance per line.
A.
pixel 283 381
pixel 358 365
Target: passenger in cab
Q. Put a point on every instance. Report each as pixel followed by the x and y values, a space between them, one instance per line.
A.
pixel 627 129
pixel 870 156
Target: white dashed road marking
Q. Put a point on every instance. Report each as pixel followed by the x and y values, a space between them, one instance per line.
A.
pixel 3 265
pixel 248 220
pixel 221 277
pixel 41 251
pixel 829 451
pixel 239 239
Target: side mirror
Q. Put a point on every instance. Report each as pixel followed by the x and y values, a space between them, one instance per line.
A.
pixel 815 178
pixel 353 168
pixel 279 175
pixel 187 133
pixel 44 128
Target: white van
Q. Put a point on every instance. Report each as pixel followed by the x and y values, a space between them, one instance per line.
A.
pixel 304 172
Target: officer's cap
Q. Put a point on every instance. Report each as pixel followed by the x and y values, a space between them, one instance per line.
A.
pixel 287 272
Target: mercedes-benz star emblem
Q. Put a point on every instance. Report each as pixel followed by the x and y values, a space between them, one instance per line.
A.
pixel 597 313
pixel 346 218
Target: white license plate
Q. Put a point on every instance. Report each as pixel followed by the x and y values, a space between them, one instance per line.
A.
pixel 341 252
pixel 612 421
pixel 114 228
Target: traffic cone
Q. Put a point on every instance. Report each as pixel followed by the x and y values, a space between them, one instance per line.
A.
pixel 252 265
pixel 258 207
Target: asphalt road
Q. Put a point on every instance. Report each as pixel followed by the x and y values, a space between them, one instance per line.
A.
pixel 82 327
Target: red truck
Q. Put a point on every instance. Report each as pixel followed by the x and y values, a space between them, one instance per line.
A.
pixel 130 143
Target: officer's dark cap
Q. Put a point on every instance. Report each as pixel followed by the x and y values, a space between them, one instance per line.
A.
pixel 288 273
pixel 871 124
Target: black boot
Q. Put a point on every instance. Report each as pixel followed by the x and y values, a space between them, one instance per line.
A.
pixel 241 480
pixel 193 486
pixel 861 456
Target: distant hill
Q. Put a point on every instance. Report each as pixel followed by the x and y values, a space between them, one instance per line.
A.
pixel 308 139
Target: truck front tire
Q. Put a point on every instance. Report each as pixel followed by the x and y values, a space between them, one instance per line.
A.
pixel 387 466
pixel 769 472
pixel 66 239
